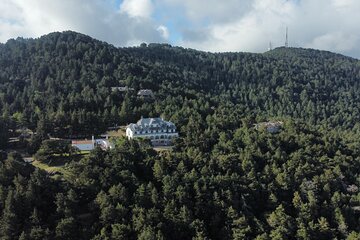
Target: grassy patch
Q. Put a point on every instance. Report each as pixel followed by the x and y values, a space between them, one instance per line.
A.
pixel 46 167
pixel 163 148
pixel 57 165
pixel 119 133
pixel 56 170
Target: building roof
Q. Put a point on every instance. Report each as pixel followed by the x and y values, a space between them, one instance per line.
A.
pixel 145 92
pixel 83 145
pixel 151 124
pixel 78 142
pixel 269 125
pixel 121 89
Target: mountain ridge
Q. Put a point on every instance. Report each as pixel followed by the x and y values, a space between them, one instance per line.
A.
pixel 281 49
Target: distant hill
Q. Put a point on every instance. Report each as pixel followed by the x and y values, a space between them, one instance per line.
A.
pixel 283 52
pixel 67 78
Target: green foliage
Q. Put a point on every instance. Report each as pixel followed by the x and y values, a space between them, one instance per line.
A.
pixel 65 79
pixel 26 201
pixel 66 229
pixel 281 224
pixel 4 133
pixel 53 148
pixel 222 180
pixel 192 194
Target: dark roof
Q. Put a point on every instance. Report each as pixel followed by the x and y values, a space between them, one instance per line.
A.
pixel 151 124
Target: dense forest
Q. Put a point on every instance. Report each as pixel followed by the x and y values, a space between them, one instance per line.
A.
pixel 222 180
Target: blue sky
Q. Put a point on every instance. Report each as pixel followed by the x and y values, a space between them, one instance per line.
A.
pixel 209 25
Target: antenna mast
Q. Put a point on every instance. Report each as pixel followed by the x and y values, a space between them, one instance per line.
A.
pixel 270 46
pixel 286 38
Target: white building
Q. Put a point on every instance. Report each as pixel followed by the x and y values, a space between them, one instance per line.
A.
pixel 271 127
pixel 88 145
pixel 145 94
pixel 122 89
pixel 83 145
pixel 160 132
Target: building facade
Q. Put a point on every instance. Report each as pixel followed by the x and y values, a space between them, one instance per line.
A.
pixel 159 131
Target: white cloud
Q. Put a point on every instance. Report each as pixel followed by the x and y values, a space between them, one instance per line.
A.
pixel 243 25
pixel 97 18
pixel 137 8
pixel 211 10
pixel 211 25
pixel 252 31
pixel 164 31
pixel 336 41
pixel 344 3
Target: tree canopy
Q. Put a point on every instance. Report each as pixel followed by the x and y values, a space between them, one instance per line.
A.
pixel 223 179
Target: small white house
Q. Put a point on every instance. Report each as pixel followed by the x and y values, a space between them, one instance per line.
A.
pixel 159 131
pixel 271 127
pixel 88 145
pixel 122 89
pixel 145 94
pixel 83 145
pixel 104 144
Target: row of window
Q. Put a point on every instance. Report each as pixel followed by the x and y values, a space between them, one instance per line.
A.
pixel 162 137
pixel 154 131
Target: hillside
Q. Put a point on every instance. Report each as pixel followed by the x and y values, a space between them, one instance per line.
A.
pixel 67 77
pixel 223 179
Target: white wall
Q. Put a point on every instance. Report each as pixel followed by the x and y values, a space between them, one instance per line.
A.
pixel 129 133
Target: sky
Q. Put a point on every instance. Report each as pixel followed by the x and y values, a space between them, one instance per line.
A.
pixel 208 25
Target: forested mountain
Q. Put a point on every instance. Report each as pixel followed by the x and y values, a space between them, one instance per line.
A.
pixel 67 79
pixel 222 180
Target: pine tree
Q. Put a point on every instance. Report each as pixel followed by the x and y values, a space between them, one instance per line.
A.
pixel 281 224
pixel 9 219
